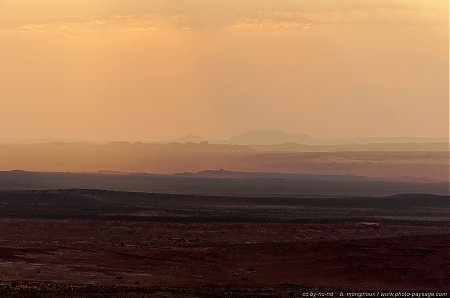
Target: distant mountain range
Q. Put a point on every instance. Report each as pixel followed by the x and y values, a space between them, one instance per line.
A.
pixel 276 137
pixel 259 137
pixel 187 139
pixel 270 137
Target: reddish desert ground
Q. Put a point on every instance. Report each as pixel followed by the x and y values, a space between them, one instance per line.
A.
pixel 76 258
pixel 92 243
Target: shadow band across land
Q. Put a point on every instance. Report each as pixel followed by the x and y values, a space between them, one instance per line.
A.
pixel 219 183
pixel 417 209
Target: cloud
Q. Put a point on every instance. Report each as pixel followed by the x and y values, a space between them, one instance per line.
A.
pixel 30 28
pixel 142 16
pixel 362 15
pixel 141 29
pixel 262 23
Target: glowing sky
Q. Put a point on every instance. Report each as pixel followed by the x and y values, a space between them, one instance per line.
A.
pixel 157 69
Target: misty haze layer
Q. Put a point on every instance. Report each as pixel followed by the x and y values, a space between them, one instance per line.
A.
pixel 377 160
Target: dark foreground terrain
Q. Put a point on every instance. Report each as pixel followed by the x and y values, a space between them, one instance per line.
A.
pixel 90 243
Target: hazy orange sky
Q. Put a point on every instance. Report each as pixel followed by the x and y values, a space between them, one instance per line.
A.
pixel 157 69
